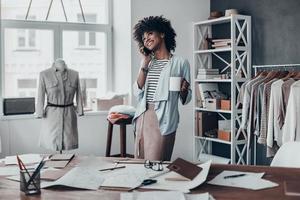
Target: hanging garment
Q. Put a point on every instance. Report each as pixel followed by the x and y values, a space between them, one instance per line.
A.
pixel 246 102
pixel 258 109
pixel 291 127
pixel 59 120
pixel 265 112
pixel 285 89
pixel 274 132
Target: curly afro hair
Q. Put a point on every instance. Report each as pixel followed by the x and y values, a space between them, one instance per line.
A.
pixel 158 24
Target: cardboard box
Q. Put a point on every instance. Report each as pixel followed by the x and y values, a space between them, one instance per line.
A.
pixel 224 135
pixel 225 105
pixel 212 104
pixel 106 104
pixel 224 124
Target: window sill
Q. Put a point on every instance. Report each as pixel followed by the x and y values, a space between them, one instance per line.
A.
pixel 26 50
pixel 33 116
pixel 85 48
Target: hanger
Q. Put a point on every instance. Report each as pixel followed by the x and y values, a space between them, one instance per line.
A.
pixel 272 74
pixel 261 73
pixel 297 75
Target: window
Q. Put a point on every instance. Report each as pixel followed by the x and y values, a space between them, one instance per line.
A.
pixel 12 9
pixel 87 39
pixel 21 68
pixel 85 47
pixel 26 37
pixel 27 87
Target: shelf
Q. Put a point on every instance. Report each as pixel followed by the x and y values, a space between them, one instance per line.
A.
pixel 236 57
pixel 217 111
pixel 213 50
pixel 219 20
pixel 213 139
pixel 219 80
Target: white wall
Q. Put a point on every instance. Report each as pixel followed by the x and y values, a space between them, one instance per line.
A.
pixel 182 14
pixel 21 135
pixel 121 46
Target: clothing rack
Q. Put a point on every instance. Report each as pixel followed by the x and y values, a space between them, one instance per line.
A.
pixel 257 67
pixel 269 67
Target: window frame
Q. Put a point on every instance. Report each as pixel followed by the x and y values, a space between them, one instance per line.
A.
pixel 86 35
pixel 58 28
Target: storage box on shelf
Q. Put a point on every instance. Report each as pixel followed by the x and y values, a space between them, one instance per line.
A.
pixel 233 52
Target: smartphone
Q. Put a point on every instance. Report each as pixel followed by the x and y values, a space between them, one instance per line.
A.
pixel 146 51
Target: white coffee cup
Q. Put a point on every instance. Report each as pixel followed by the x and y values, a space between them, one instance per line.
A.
pixel 175 83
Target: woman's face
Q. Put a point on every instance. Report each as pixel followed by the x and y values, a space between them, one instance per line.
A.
pixel 152 40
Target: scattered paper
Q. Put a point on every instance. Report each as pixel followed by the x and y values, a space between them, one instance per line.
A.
pixel 26 159
pixel 184 186
pixel 162 195
pixel 252 181
pixel 134 174
pixel 78 177
pixel 16 177
pixel 130 176
pixel 9 170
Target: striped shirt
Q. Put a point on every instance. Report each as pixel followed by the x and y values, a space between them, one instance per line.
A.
pixel 153 77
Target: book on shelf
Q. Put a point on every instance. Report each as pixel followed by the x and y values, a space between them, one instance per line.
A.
pixel 207 70
pixel 220 44
pixel 209 76
pixel 221 40
pixel 198 97
pixel 222 47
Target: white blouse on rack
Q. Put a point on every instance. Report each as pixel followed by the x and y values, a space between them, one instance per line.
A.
pixel 274 132
pixel 291 127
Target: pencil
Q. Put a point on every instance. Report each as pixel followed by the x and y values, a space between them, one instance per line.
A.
pixel 23 167
pixel 112 168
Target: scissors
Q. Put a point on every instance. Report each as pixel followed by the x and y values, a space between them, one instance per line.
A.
pixel 145 182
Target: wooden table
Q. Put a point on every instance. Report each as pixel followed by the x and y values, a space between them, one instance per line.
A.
pixel 10 189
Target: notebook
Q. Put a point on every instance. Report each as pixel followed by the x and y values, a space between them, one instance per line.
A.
pixel 184 168
pixel 59 160
pixel 62 157
pixel 291 188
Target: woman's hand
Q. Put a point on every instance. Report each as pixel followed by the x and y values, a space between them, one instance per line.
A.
pixel 146 58
pixel 184 85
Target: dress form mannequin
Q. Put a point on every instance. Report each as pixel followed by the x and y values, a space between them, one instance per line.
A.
pixel 59 87
pixel 60 64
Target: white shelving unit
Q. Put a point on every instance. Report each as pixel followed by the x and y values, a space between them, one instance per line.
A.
pixel 237 62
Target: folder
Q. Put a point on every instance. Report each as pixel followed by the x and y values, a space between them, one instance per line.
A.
pixel 185 168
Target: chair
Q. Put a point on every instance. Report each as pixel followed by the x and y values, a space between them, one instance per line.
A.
pixel 116 120
pixel 122 123
pixel 287 155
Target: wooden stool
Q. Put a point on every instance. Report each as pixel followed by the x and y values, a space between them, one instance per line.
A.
pixel 122 123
